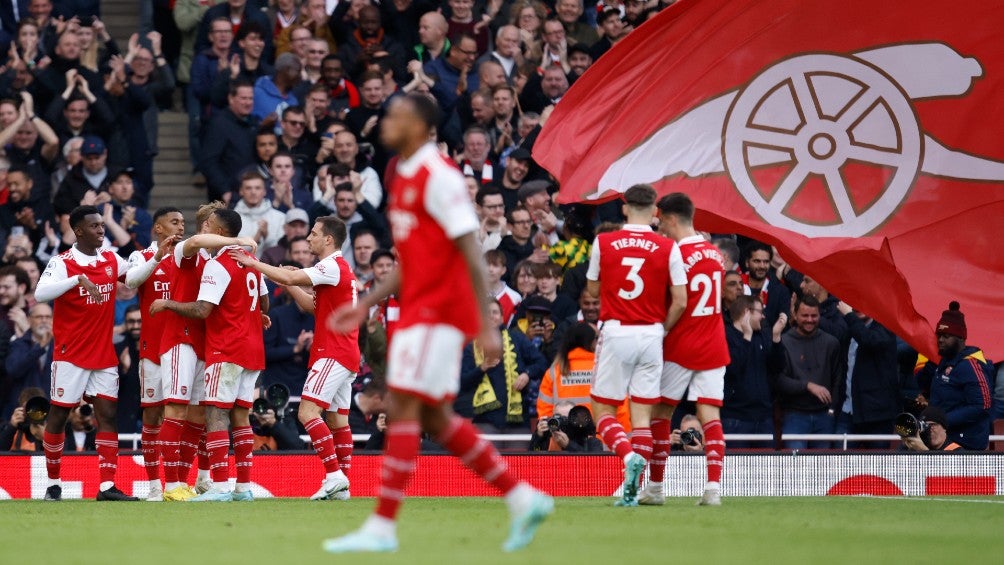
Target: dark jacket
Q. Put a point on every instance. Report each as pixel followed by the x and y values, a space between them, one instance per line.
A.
pixel 963 388
pixel 514 253
pixel 528 360
pixel 73 188
pixel 227 148
pixel 748 395
pixel 875 394
pixel 814 358
pixel 281 364
pixel 28 365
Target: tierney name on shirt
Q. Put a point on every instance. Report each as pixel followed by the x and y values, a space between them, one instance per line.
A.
pixel 636 242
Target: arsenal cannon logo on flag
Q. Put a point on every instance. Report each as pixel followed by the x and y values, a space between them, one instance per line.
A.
pixel 860 138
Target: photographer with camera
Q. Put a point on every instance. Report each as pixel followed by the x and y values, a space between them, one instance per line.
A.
pixel 26 427
pixel 273 428
pixel 570 429
pixel 688 436
pixel 927 433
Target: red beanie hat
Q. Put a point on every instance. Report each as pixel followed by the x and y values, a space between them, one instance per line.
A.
pixel 952 322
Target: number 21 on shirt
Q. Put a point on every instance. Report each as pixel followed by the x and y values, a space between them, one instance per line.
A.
pixel 710 287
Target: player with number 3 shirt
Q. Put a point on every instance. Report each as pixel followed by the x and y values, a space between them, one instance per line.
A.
pixel 630 270
pixel 695 352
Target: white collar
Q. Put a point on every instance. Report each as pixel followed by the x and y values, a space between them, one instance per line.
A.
pixel 697 238
pixel 82 258
pixel 636 227
pixel 409 166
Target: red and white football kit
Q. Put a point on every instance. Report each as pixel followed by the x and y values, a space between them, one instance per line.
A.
pixel 634 266
pixel 84 363
pixel 429 208
pixel 157 277
pixel 695 351
pixel 235 347
pixel 334 357
pixel 182 345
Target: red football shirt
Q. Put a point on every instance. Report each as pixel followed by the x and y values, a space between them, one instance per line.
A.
pixel 697 341
pixel 82 329
pixel 185 288
pixel 334 286
pixel 234 328
pixel 635 266
pixel 429 208
pixel 158 285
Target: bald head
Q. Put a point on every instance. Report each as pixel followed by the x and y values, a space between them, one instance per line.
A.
pixel 491 74
pixel 432 30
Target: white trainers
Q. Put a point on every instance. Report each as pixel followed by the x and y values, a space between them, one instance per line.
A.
pixel 156 495
pixel 341 495
pixel 361 541
pixel 712 495
pixel 649 497
pixel 330 488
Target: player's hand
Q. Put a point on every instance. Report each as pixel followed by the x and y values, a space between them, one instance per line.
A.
pixel 243 258
pixel 266 321
pixel 347 318
pixel 560 438
pixel 521 381
pixel 844 308
pixel 91 289
pixel 819 392
pixel 490 341
pixel 248 242
pixel 166 247
pixel 17 417
pixel 158 305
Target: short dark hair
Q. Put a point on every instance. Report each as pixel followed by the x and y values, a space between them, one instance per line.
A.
pixel 425 109
pixel 239 83
pixel 361 231
pixel 339 170
pixel 230 220
pixel 739 307
pixel 495 257
pixel 335 227
pixel 549 269
pixel 345 187
pixel 806 300
pixel 78 214
pixel 755 246
pixel 19 274
pixel 293 110
pixel 247 28
pixel 76 97
pixel 678 204
pixel 728 246
pixel 457 38
pixel 640 196
pixel 295 240
pixel 161 212
pixel 132 308
pixel 381 254
pixel 332 57
pixel 486 190
pixel 281 153
pixel 370 75
pixel 251 174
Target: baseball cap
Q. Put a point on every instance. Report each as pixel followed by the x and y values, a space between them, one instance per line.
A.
pixel 296 215
pixel 127 171
pixel 93 145
pixel 520 153
pixel 537 304
pixel 380 254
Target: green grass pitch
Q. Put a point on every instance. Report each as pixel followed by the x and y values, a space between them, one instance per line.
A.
pixel 458 531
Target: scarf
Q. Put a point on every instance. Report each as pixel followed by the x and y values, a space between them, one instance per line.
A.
pixel 487 173
pixel 748 291
pixel 570 253
pixel 485 399
pixel 365 42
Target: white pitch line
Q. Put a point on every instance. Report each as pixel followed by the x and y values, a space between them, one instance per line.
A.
pixel 935 499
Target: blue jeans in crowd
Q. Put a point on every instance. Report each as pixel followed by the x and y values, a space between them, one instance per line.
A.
pixel 807 423
pixel 733 426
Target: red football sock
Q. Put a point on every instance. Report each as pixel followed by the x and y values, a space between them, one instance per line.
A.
pixel 190 436
pixel 714 450
pixel 462 439
pixel 324 445
pixel 53 446
pixel 243 445
pixel 108 455
pixel 151 452
pixel 660 450
pixel 203 453
pixel 399 453
pixel 641 442
pixel 613 435
pixel 343 448
pixel 170 445
pixel 218 444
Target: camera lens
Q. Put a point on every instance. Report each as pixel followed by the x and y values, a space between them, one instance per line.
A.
pixel 86 410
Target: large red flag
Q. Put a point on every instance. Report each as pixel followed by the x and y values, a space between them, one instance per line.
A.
pixel 864 139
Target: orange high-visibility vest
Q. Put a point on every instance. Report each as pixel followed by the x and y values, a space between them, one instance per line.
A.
pixel 574 386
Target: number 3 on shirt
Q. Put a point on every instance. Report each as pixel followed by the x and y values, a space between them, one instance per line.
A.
pixel 710 288
pixel 252 284
pixel 637 284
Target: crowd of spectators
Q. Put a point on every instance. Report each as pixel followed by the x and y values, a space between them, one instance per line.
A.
pixel 284 101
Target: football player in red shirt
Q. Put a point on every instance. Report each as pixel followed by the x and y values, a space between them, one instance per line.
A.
pixel 81 284
pixel 334 356
pixel 233 301
pixel 629 271
pixel 695 352
pixel 153 269
pixel 440 281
